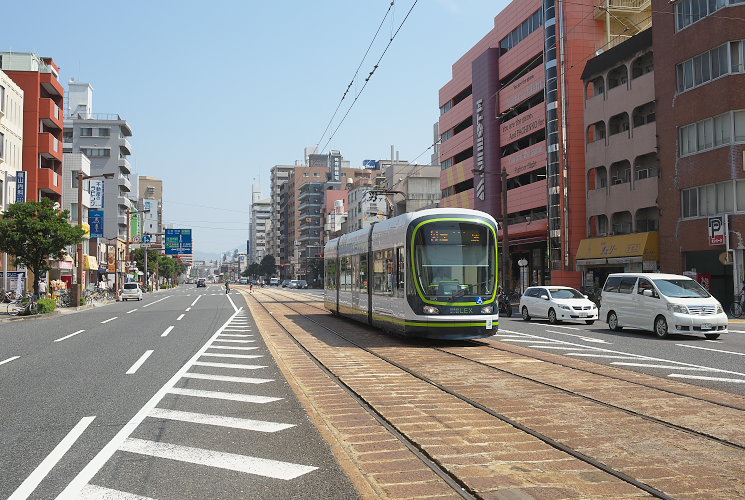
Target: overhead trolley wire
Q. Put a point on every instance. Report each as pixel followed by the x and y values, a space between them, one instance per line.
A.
pixel 375 67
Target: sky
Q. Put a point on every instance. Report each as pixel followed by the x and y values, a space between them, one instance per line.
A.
pixel 217 93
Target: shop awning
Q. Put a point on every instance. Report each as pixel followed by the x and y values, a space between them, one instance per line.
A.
pixel 90 262
pixel 643 246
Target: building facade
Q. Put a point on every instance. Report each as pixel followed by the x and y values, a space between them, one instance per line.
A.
pixel 622 165
pixel 526 167
pixel 699 89
pixel 43 122
pixel 261 225
pixel 150 202
pixel 104 139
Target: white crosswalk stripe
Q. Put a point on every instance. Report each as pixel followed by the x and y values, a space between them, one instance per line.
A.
pixel 235 341
pixel 228 365
pixel 229 396
pixel 220 421
pixel 241 356
pixel 228 378
pixel 230 461
pixel 93 492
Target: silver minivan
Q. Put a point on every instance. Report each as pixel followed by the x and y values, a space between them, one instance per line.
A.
pixel 662 303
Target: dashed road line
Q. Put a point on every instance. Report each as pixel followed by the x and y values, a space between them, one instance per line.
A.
pixel 179 318
pixel 8 360
pixel 68 336
pixel 133 310
pixel 168 330
pixel 710 349
pixel 155 302
pixel 110 319
pixel 713 379
pixel 139 362
pixel 195 300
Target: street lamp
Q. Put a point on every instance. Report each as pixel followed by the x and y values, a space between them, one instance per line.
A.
pixel 78 289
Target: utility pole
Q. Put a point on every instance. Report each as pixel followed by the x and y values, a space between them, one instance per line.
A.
pixel 506 267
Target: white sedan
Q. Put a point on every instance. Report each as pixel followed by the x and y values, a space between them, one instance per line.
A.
pixel 557 303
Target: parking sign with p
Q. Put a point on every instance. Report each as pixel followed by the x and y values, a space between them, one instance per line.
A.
pixel 716 230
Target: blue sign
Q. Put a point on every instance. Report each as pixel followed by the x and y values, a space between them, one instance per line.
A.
pixel 20 186
pixel 95 219
pixel 178 241
pixel 370 164
pixel 146 239
pixel 479 300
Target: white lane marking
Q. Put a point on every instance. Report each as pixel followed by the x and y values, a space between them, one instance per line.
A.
pixel 28 486
pixel 709 349
pixel 168 330
pixel 229 365
pixel 8 360
pixel 608 356
pixel 229 461
pixel 236 329
pixel 90 470
pixel 139 362
pixel 220 339
pixel 235 348
pixel 93 492
pixel 529 341
pixel 227 378
pixel 219 421
pixel 179 318
pixel 133 310
pixel 68 336
pixel 567 327
pixel 736 331
pixel 241 356
pixel 583 337
pixel 234 335
pixel 670 367
pixel 151 303
pixel 560 348
pixel 714 379
pixel 230 396
pixel 187 309
pixel 110 319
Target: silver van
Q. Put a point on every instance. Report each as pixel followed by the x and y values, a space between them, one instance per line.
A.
pixel 662 303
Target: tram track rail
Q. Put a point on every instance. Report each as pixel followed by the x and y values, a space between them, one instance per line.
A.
pixel 505 418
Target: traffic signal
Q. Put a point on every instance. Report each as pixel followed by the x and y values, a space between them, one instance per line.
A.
pixel 283 266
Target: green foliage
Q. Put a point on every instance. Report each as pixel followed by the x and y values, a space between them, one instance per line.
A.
pixel 34 232
pixel 83 301
pixel 45 306
pixel 267 266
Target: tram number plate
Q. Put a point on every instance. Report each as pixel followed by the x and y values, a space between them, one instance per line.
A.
pixel 706 326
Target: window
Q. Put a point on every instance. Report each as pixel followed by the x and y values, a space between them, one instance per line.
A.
pixel 712 132
pixel 517 35
pixel 626 285
pixel 96 152
pixel 688 12
pixel 709 66
pixel 611 284
pixel 86 132
pixel 2 99
pixel 2 145
pixel 104 132
pixel 383 272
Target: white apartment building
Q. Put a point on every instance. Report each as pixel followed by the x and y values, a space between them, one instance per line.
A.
pixel 151 198
pixel 280 174
pixel 261 224
pixel 72 163
pixel 11 149
pixel 104 139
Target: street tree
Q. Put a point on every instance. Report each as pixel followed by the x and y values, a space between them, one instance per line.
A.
pixel 36 231
pixel 267 265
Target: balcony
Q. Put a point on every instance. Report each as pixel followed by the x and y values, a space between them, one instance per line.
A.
pixel 305 239
pixel 122 201
pixel 125 147
pixel 124 183
pixel 51 84
pixel 49 147
pixel 50 114
pixel 121 220
pixel 125 166
pixel 48 181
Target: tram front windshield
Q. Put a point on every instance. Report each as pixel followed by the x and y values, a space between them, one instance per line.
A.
pixel 455 259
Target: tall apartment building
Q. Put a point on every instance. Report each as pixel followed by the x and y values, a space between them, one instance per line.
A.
pixel 622 166
pixel 526 72
pixel 699 61
pixel 43 121
pixel 261 222
pixel 104 139
pixel 11 154
pixel 150 191
pixel 277 239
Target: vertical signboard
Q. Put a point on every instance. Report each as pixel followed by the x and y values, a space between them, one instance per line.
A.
pixel 96 190
pixel 20 186
pixel 95 219
pixel 134 225
pixel 178 241
pixel 486 148
pixel 716 230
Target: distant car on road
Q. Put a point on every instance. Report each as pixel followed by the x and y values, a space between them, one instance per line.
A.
pixel 201 283
pixel 285 283
pixel 131 291
pixel 274 281
pixel 297 284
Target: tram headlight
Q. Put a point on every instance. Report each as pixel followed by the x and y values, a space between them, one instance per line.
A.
pixel 487 309
pixel 431 310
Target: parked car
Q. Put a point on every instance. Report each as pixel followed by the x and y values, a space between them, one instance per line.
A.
pixel 131 291
pixel 243 281
pixel 297 284
pixel 557 303
pixel 662 303
pixel 201 283
pixel 274 281
pixel 285 283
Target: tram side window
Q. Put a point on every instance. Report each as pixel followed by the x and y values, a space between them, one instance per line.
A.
pixel 330 274
pixel 383 272
pixel 354 261
pixel 345 274
pixel 363 273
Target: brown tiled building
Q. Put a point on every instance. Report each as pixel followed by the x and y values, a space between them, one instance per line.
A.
pixel 700 94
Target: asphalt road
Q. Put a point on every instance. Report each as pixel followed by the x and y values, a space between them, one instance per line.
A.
pixel 169 397
pixel 718 364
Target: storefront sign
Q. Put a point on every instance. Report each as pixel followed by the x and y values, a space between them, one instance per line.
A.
pixel 521 89
pixel 20 186
pixel 96 194
pixel 95 220
pixel 716 230
pixel 531 121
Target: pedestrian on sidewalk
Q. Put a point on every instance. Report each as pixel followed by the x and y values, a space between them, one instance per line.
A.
pixel 251 287
pixel 42 288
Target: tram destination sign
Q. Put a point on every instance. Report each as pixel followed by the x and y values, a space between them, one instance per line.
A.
pixel 178 241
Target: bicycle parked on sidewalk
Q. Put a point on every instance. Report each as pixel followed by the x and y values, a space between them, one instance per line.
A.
pixel 25 304
pixel 736 308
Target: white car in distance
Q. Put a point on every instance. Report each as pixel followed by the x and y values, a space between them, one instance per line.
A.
pixel 557 304
pixel 131 291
